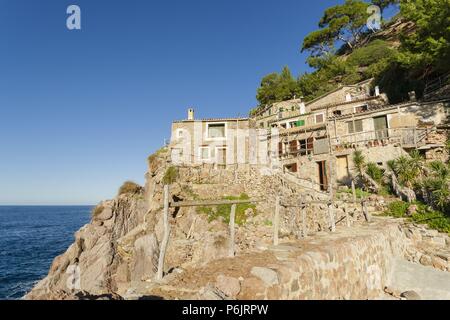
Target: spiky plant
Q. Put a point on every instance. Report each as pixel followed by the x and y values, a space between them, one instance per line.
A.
pixel 359 161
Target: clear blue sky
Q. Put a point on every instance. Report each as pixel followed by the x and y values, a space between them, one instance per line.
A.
pixel 80 111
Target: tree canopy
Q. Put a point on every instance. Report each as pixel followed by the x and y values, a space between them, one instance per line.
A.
pixel 424 52
pixel 344 23
pixel 278 87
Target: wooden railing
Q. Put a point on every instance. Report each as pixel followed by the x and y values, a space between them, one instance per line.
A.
pixel 408 137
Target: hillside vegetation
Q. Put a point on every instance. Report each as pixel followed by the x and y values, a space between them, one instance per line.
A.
pixel 409 50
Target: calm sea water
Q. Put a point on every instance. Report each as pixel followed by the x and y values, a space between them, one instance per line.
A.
pixel 30 238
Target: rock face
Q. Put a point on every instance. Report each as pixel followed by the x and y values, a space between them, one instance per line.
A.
pixel 116 254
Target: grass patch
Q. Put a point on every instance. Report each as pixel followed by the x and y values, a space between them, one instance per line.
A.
pixel 130 187
pixel 425 215
pixel 97 210
pixel 360 193
pixel 223 211
pixel 171 175
pixel 151 158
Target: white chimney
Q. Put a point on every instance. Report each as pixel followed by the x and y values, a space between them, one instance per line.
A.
pixel 348 97
pixel 377 91
pixel 191 114
pixel 302 108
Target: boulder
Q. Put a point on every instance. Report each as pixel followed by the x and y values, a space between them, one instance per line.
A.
pixel 144 262
pixel 268 276
pixel 411 295
pixel 228 285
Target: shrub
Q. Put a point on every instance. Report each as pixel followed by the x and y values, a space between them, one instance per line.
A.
pixel 375 172
pixel 171 175
pixel 397 209
pixel 371 54
pixel 424 215
pixel 97 210
pixel 130 187
pixel 224 211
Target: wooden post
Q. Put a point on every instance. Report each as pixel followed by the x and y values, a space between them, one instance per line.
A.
pixel 347 218
pixel 276 222
pixel 304 228
pixel 366 212
pixel 331 216
pixel 354 191
pixel 232 219
pixel 165 240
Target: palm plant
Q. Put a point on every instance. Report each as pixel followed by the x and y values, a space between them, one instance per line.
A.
pixel 359 161
pixel 437 184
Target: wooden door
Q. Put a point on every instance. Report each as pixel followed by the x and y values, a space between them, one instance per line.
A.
pixel 342 169
pixel 323 178
pixel 221 156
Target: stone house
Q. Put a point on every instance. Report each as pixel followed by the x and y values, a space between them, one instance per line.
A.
pixel 315 140
pixel 220 142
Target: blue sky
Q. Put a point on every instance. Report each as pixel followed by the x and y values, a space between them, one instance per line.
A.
pixel 80 111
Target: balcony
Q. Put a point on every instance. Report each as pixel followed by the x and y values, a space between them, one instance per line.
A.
pixel 409 137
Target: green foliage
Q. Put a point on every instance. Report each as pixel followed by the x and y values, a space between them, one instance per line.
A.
pixel 359 161
pixel 344 23
pixel 268 223
pixel 372 53
pixel 375 172
pixel 437 185
pixel 424 215
pixel 360 193
pixel 407 169
pixel 151 158
pixel 170 176
pixel 130 187
pixel 277 87
pixel 429 45
pixel 397 209
pixel 423 53
pixel 223 211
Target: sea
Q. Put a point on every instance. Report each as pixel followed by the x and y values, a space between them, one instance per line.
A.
pixel 30 238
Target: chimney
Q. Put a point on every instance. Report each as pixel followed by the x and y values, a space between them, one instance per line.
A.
pixel 190 114
pixel 302 108
pixel 377 91
pixel 412 96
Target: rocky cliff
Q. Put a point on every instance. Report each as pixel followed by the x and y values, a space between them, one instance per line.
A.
pixel 116 255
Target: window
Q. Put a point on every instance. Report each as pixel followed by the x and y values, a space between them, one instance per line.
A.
pixel 357 127
pixel 216 130
pixel 180 133
pixel 361 108
pixel 320 118
pixel 337 113
pixel 204 153
pixel 306 146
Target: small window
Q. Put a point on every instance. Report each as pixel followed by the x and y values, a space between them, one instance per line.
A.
pixel 357 127
pixel 363 108
pixel 204 153
pixel 180 133
pixel 216 130
pixel 320 118
pixel 337 113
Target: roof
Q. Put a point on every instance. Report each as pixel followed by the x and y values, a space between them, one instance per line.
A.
pixel 337 89
pixel 213 120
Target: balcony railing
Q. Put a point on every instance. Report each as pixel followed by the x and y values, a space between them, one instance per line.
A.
pixel 406 137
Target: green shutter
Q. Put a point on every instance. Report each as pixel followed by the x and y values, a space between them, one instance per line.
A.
pixel 300 123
